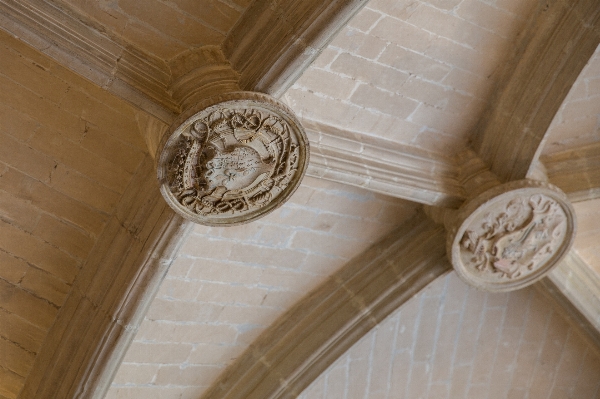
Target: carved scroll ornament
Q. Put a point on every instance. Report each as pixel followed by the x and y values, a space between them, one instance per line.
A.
pixel 233 159
pixel 512 235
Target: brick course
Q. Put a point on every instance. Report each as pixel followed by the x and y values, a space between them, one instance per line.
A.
pixel 427 349
pixel 576 123
pixel 427 64
pixel 228 284
pixel 57 189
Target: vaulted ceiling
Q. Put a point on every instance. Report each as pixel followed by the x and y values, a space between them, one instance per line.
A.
pixel 345 291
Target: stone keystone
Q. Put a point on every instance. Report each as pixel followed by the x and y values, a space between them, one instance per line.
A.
pixel 232 158
pixel 511 235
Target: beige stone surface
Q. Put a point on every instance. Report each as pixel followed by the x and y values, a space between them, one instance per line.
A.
pixel 571 150
pixel 392 99
pixel 576 123
pixel 453 341
pixel 320 327
pixel 414 72
pixel 570 154
pixel 229 284
pixel 588 234
pixel 575 171
pixel 67 151
pixel 232 159
pixel 164 28
pixel 511 236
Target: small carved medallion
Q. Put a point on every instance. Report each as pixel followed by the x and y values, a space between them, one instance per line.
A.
pixel 233 159
pixel 512 235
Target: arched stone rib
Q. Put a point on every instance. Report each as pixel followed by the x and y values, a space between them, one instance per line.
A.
pixel 276 40
pixel 318 329
pixel 557 45
pixel 576 172
pixel 576 290
pixel 110 296
pixel 93 330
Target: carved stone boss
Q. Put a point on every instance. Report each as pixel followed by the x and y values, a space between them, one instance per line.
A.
pixel 232 159
pixel 511 235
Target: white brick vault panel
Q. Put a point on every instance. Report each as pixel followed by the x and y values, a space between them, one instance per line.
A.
pixel 452 341
pixel 577 122
pixel 229 284
pixel 414 72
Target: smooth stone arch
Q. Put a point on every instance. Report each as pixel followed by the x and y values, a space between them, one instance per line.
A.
pixel 555 48
pixel 319 328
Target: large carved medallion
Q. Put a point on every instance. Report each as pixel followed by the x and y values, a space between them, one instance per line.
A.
pixel 512 235
pixel 232 159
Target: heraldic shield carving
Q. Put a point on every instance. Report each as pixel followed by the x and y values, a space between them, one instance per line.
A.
pixel 511 235
pixel 232 159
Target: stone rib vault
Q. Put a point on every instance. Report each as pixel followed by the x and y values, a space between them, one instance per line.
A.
pixel 413 110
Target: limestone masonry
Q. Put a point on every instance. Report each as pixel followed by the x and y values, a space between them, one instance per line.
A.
pixel 269 199
pixel 236 158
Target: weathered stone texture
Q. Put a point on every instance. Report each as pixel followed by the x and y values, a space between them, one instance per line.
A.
pixel 511 235
pixel 571 151
pixel 452 341
pixel 229 284
pixel 67 151
pixel 588 233
pixel 556 46
pixel 415 72
pixel 576 123
pixel 389 102
pixel 164 29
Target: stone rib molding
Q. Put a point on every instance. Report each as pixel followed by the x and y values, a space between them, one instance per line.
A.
pixel 276 40
pixel 474 176
pixel 163 89
pixel 318 329
pixel 574 289
pixel 154 130
pixel 76 44
pixel 581 286
pixel 556 46
pixel 84 348
pixel 382 166
pixel 110 296
pixel 586 195
pixel 290 35
pixel 576 172
pixel 200 73
pixel 570 311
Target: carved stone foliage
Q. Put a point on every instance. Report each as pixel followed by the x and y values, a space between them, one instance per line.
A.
pixel 232 159
pixel 511 235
